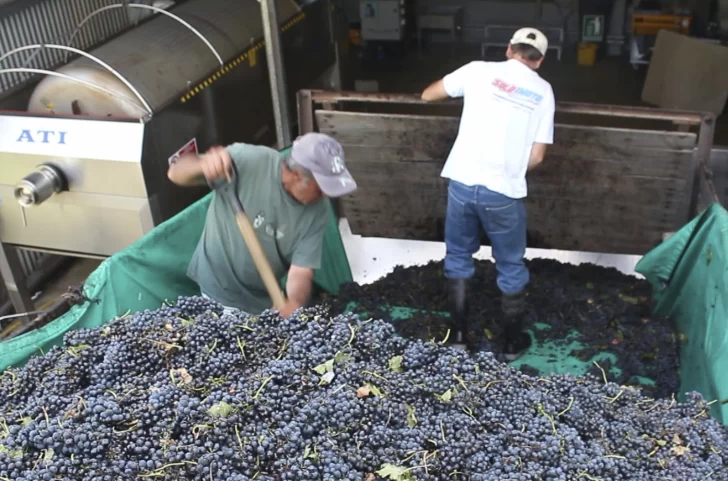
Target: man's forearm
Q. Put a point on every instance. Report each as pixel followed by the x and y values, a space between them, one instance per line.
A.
pixel 434 92
pixel 538 152
pixel 298 289
pixel 533 163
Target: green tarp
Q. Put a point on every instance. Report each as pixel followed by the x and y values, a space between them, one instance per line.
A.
pixel 689 274
pixel 150 271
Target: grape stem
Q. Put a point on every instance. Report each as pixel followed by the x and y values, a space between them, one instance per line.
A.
pixel 584 474
pixel 548 416
pixel 353 334
pixel 265 381
pixel 571 403
pixel 614 399
pixel 4 426
pixel 241 346
pixel 604 374
pixel 461 381
pixel 160 471
pixel 447 336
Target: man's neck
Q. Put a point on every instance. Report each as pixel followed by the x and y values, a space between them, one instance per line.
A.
pixel 524 62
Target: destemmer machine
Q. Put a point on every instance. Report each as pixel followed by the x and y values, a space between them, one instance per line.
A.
pixel 83 167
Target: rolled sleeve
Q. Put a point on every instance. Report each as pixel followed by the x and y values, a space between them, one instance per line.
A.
pixel 308 251
pixel 243 155
pixel 455 82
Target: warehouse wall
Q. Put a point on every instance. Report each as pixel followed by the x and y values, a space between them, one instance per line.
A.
pixel 479 13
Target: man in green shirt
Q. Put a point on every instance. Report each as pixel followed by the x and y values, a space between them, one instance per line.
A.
pixel 283 197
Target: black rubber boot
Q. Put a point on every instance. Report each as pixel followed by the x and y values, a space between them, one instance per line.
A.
pixel 517 339
pixel 457 290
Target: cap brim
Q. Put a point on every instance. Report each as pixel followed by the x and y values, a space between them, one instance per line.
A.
pixel 336 185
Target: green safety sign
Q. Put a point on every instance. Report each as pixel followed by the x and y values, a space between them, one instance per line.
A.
pixel 592 29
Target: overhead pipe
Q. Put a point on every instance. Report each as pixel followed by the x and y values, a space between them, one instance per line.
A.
pixel 276 72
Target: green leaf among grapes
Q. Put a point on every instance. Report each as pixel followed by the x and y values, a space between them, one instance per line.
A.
pixel 12 453
pixel 446 396
pixel 221 409
pixel 395 473
pixel 328 366
pixel 411 419
pixel 395 364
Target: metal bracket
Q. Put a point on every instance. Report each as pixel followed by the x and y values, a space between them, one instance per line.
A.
pixel 73 79
pixel 14 279
pixel 88 56
pixel 146 7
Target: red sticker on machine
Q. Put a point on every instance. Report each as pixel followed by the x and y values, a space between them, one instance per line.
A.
pixel 189 148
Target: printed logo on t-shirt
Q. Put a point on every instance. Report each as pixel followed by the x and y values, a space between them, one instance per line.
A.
pixel 518 93
pixel 272 231
pixel 259 219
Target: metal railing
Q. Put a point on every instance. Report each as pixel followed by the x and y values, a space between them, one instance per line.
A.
pixel 52 21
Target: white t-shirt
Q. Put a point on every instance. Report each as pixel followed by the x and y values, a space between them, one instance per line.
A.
pixel 507 108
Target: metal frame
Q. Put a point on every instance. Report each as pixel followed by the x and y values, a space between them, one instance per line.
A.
pixel 14 279
pixel 455 17
pixel 108 67
pixel 705 121
pixel 145 7
pixel 495 43
pixel 276 72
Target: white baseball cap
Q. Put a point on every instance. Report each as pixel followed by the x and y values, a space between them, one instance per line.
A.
pixel 532 37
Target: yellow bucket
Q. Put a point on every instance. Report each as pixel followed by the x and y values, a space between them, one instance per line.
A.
pixel 587 54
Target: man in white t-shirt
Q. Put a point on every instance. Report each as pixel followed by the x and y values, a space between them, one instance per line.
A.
pixel 506 124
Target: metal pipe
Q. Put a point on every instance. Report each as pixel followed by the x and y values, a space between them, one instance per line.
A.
pixel 39 185
pixel 145 7
pixel 693 118
pixel 276 72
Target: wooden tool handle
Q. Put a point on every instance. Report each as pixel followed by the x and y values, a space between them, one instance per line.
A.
pixel 261 261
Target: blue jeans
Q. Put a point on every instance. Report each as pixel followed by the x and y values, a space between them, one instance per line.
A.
pixel 504 221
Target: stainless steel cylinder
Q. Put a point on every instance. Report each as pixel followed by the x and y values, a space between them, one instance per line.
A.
pixel 39 185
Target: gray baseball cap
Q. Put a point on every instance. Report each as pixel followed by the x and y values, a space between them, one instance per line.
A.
pixel 324 157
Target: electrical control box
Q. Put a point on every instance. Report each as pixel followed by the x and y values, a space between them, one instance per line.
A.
pixel 382 19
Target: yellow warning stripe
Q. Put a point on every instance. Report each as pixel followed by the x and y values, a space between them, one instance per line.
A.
pixel 250 55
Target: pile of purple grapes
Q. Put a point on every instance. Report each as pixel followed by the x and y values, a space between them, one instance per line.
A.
pixel 189 393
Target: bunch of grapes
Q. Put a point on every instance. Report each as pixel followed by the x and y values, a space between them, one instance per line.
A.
pixel 187 392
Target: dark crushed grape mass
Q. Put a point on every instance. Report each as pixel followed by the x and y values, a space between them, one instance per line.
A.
pixel 610 311
pixel 187 393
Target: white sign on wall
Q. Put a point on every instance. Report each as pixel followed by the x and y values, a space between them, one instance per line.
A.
pixel 72 138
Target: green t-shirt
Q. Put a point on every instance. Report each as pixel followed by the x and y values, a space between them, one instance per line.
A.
pixel 289 232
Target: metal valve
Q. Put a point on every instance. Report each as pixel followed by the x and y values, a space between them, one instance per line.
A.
pixel 39 185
